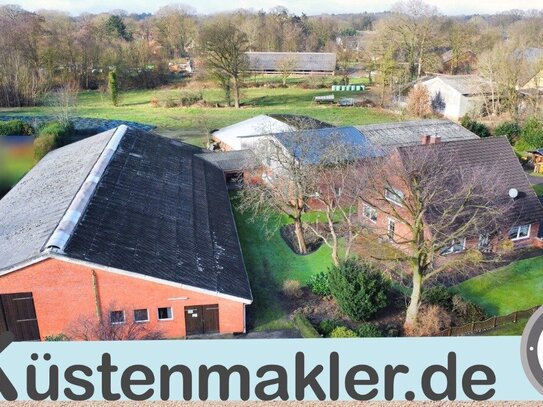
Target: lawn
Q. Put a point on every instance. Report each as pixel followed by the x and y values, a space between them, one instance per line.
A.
pixel 136 106
pixel 270 262
pixel 538 188
pixel 518 286
pixel 512 329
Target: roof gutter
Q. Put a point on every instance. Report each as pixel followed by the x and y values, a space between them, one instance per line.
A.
pixel 64 230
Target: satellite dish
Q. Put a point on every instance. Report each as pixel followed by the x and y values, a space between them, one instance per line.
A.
pixel 513 193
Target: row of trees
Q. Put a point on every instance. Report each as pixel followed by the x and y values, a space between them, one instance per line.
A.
pixel 439 202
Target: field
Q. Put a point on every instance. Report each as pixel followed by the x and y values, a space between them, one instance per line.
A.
pixel 136 106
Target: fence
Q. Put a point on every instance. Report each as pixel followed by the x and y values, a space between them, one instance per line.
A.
pixel 486 325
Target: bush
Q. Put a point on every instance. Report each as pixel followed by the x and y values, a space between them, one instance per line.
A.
pixel 57 132
pixel 510 129
pixel 319 284
pixel 113 88
pixel 15 128
pixel 57 338
pixel 475 127
pixel 304 326
pixel 359 289
pixel 292 288
pixel 43 145
pixel 419 102
pixel 328 325
pixel 188 98
pixel 432 319
pixel 439 295
pixel 532 133
pixel 343 332
pixel 466 312
pixel 369 330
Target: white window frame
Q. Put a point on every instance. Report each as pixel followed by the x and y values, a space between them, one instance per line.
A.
pixel 117 323
pixel 484 238
pixel 164 319
pixel 518 232
pixel 142 320
pixel 370 208
pixel 450 249
pixel 394 195
pixel 394 221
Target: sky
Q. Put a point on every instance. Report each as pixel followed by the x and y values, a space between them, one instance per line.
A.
pixel 309 7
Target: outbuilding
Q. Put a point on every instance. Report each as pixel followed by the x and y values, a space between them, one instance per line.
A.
pixel 126 227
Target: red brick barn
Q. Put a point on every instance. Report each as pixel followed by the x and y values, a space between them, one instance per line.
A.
pixel 123 229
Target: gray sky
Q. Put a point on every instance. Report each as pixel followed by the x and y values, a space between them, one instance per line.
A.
pixel 297 6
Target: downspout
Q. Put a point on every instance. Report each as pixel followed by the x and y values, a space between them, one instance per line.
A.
pixel 96 296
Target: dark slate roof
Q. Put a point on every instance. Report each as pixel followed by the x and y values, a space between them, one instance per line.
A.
pixel 300 122
pixel 157 210
pixel 496 155
pixel 31 211
pixel 301 61
pixel 311 145
pixel 410 132
pixel 234 160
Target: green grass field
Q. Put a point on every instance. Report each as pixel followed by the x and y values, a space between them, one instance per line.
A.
pixel 512 329
pixel 516 287
pixel 136 106
pixel 270 262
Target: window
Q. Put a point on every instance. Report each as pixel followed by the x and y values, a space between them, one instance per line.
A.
pixel 141 315
pixel 165 313
pixel 484 243
pixel 116 317
pixel 391 229
pixel 394 195
pixel 369 213
pixel 519 232
pixel 457 246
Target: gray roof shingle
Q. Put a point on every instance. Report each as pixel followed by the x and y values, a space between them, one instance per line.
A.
pixel 31 211
pixel 158 210
pixel 496 154
pixel 410 132
pixel 301 61
pixel 234 160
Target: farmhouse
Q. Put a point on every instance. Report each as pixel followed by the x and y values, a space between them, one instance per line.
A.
pixel 455 96
pixel 232 137
pixel 301 63
pixel 523 217
pixel 125 227
pixel 402 134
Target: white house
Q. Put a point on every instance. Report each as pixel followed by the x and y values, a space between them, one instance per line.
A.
pixel 457 95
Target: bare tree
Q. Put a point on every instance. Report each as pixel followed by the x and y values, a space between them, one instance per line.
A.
pixel 224 45
pixel 175 27
pixel 412 30
pixel 94 328
pixel 344 58
pixel 285 67
pixel 339 182
pixel 63 102
pixel 433 204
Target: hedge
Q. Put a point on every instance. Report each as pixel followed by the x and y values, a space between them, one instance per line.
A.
pixel 15 128
pixel 304 326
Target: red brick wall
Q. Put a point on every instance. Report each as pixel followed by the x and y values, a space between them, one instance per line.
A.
pixel 63 293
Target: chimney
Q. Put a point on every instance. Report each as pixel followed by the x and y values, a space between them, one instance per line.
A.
pixel 435 139
pixel 424 140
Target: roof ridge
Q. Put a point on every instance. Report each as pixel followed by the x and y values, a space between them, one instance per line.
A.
pixel 62 233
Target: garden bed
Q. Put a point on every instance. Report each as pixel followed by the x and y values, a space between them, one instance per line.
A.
pixel 313 243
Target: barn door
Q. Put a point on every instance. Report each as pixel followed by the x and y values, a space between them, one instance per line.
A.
pixel 20 316
pixel 193 320
pixel 211 319
pixel 202 319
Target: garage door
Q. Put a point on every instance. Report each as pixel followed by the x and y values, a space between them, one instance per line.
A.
pixel 202 319
pixel 18 315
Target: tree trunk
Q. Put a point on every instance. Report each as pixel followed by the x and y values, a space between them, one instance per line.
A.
pixel 300 236
pixel 414 303
pixel 236 92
